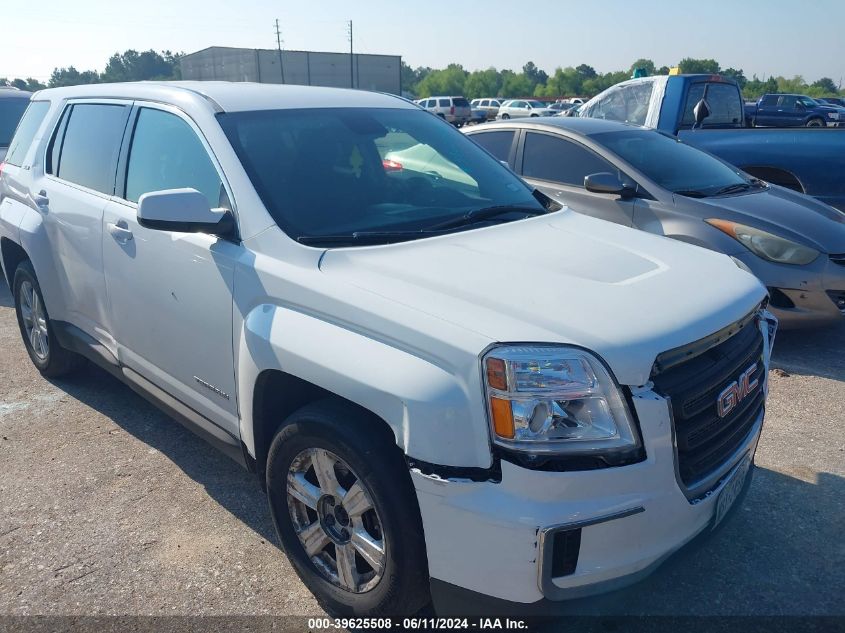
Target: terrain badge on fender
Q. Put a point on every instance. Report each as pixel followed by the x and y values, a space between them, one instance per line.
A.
pixel 736 392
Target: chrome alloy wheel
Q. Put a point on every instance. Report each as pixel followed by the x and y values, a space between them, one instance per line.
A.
pixel 335 520
pixel 34 321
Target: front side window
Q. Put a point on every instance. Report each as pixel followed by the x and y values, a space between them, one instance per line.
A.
pixel 555 159
pixel 724 101
pixel 497 143
pixel 338 171
pixel 166 153
pixel 27 128
pixel 670 163
pixel 90 144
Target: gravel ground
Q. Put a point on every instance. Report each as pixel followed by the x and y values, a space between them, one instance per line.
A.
pixel 108 507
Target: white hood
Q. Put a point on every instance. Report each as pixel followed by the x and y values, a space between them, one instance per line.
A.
pixel 565 278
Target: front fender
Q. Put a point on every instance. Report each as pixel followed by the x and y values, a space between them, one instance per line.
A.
pixel 436 412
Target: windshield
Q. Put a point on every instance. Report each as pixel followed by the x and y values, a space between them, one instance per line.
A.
pixel 808 102
pixel 670 163
pixel 338 171
pixel 537 104
pixel 11 111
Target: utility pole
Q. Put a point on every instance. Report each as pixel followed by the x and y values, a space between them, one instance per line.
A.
pixel 351 71
pixel 279 44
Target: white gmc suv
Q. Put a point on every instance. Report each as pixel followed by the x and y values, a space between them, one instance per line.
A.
pixel 451 388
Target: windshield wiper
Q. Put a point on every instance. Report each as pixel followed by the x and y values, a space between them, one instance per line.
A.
pixel 486 213
pixel 366 237
pixel 735 188
pixel 692 193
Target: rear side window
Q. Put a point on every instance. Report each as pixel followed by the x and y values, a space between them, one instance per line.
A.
pixel 726 107
pixel 91 142
pixel 769 100
pixel 166 153
pixel 26 131
pixel 444 103
pixel 558 160
pixel 497 143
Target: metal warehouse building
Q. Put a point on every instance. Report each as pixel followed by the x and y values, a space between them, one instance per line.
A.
pixel 367 72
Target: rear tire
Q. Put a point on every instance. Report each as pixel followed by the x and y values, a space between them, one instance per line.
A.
pixel 338 485
pixel 506 116
pixel 48 356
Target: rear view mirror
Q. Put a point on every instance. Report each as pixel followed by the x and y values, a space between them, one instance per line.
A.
pixel 184 211
pixel 607 183
pixel 701 111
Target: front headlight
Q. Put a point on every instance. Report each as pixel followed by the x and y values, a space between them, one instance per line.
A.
pixel 555 400
pixel 765 245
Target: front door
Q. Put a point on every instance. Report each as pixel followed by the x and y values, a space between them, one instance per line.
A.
pixel 171 293
pixel 558 166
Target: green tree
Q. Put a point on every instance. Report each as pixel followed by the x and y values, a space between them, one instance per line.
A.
pixel 134 66
pixel 691 65
pixel 646 65
pixel 449 81
pixel 586 72
pixel 796 85
pixel 534 74
pixel 516 85
pixel 663 70
pixel 737 75
pixel 482 83
pixel 826 86
pixel 71 77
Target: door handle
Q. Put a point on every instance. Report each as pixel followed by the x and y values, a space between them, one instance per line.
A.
pixel 121 234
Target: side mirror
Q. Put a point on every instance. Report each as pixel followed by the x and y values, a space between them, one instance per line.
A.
pixel 608 184
pixel 701 111
pixel 184 211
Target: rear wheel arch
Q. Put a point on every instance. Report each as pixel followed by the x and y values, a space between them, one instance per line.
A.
pixel 13 254
pixel 279 394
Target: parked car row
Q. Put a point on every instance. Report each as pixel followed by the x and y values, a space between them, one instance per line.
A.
pixel 790 110
pixel 644 179
pixel 707 111
pixel 13 102
pixel 336 289
pixel 454 109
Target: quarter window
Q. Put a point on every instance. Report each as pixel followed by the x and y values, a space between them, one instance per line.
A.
pixel 555 159
pixel 26 131
pixel 166 153
pixel 445 103
pixel 89 149
pixel 497 143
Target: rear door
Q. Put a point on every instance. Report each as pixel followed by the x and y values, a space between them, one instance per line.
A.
pixel 72 194
pixel 558 165
pixel 171 292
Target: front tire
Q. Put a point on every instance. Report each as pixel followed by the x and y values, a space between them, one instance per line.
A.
pixel 48 356
pixel 506 116
pixel 346 512
pixel 816 123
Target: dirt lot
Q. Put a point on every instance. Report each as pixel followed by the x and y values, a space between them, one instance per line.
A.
pixel 108 507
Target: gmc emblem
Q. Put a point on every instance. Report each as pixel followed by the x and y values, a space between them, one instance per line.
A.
pixel 736 392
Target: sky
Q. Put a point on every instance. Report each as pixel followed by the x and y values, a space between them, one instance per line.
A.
pixel 762 37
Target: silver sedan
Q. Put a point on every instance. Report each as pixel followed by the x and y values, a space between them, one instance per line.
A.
pixel 644 179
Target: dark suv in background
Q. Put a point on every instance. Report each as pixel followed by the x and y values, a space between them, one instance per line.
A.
pixel 12 104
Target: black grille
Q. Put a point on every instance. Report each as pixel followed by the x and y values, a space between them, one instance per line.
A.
pixel 704 440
